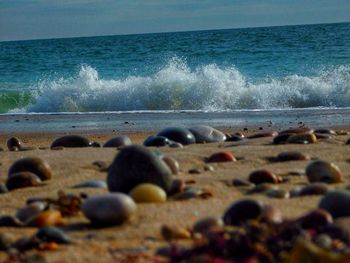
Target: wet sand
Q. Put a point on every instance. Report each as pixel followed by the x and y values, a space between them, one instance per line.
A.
pixel 140 237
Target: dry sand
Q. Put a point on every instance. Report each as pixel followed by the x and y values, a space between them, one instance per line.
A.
pixel 142 232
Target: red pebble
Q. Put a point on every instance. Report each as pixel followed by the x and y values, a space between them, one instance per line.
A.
pixel 221 157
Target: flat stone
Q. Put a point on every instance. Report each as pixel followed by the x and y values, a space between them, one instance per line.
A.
pixel 156 141
pixel 71 141
pixel 34 165
pixel 21 180
pixel 119 141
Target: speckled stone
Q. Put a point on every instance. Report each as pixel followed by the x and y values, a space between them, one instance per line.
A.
pixel 137 164
pixel 34 165
pixel 207 134
pixel 177 134
pixel 21 180
pixel 337 203
pixel 108 209
pixel 118 141
pixel 71 141
pixel 242 211
pixel 322 171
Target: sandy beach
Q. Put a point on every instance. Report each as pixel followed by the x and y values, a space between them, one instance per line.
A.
pixel 140 237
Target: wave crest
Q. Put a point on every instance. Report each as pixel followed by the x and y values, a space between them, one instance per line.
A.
pixel 177 87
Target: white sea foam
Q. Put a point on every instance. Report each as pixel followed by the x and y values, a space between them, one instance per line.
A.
pixel 177 87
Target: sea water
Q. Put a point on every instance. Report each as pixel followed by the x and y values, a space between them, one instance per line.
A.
pixel 271 68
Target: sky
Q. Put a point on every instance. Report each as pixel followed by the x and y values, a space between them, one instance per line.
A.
pixel 36 19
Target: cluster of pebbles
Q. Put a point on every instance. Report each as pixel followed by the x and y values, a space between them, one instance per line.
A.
pixel 248 231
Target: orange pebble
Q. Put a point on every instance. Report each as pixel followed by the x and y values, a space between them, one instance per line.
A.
pixel 47 218
pixel 221 157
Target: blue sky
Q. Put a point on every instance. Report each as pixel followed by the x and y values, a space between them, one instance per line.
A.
pixel 33 19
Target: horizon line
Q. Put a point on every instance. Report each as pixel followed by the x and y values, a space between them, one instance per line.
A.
pixel 167 32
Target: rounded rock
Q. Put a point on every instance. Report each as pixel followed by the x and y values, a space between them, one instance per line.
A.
pixel 263 176
pixel 277 193
pixel 337 203
pixel 108 209
pixel 242 211
pixel 53 234
pixel 26 213
pixel 241 182
pixel 21 180
pixel 315 219
pixel 156 141
pixel 207 134
pixel 322 171
pixel 148 193
pixel 119 141
pixel 221 157
pixel 303 138
pixel 46 218
pixel 34 165
pixel 263 135
pixel 297 130
pixel 314 189
pixel 13 143
pixel 271 214
pixel 325 131
pixel 282 138
pixel 71 141
pixel 180 135
pixel 292 156
pixel 135 165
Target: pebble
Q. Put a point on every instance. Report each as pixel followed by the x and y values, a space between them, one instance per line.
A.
pixel 322 171
pixel 119 141
pixel 263 176
pixel 46 218
pixel 21 180
pixel 27 212
pixel 323 136
pixel 174 232
pixel 242 211
pixel 221 157
pixel 337 203
pixel 156 141
pixel 315 219
pixel 261 188
pixel 34 165
pixel 207 134
pixel 208 168
pixel 181 135
pixel 302 138
pixel 177 186
pixel 241 182
pixel 282 138
pixel 271 214
pixel 186 195
pixel 53 234
pixel 172 164
pixel 314 189
pixel 148 193
pixel 71 141
pixel 277 193
pixel 135 165
pixel 292 156
pixel 194 171
pixel 263 135
pixel 207 224
pixel 92 184
pixel 108 209
pixel 14 144
pixel 325 131
pixel 234 138
pixel 10 221
pixel 175 145
pixel 297 130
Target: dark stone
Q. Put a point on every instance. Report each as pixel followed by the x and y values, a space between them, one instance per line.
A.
pixel 13 143
pixel 315 219
pixel 134 165
pixel 292 156
pixel 180 135
pixel 21 180
pixel 234 138
pixel 314 189
pixel 242 211
pixel 71 141
pixel 263 176
pixel 262 135
pixel 119 141
pixel 34 165
pixel 53 234
pixel 208 134
pixel 337 203
pixel 156 141
pixel 282 138
pixel 92 184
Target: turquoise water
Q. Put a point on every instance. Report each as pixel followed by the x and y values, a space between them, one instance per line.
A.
pixel 256 68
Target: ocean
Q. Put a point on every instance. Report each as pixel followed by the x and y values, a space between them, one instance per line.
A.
pixel 272 69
